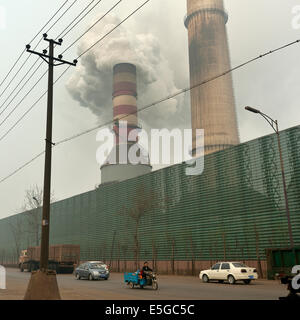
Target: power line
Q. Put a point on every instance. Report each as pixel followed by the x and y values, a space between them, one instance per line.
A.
pixel 23 166
pixel 101 18
pixel 65 51
pixel 20 56
pixel 24 97
pixel 18 86
pixel 62 34
pixel 113 29
pixel 21 67
pixel 41 30
pixel 179 92
pixel 72 4
pixel 32 106
pixel 38 44
pixel 153 104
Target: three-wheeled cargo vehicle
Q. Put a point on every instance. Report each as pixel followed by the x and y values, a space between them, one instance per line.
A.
pixel 141 279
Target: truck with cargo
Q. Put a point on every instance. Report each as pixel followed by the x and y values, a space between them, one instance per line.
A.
pixel 62 258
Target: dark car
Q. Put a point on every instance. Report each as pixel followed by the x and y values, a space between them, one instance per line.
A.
pixel 93 270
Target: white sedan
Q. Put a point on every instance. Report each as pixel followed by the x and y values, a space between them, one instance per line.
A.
pixel 229 271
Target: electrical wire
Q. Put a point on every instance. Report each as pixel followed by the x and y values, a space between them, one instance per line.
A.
pixel 32 106
pixel 151 104
pixel 21 67
pixel 20 56
pixel 18 86
pixel 101 18
pixel 62 34
pixel 68 49
pixel 113 29
pixel 40 41
pixel 72 4
pixel 24 97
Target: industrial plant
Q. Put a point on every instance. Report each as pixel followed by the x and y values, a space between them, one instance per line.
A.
pixel 234 211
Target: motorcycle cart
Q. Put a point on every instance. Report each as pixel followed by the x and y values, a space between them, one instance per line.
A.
pixel 136 279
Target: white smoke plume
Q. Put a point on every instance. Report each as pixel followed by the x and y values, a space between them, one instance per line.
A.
pixel 91 84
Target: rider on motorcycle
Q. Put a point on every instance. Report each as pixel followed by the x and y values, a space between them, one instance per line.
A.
pixel 146 269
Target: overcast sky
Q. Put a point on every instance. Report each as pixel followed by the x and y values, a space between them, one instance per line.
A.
pixel 254 27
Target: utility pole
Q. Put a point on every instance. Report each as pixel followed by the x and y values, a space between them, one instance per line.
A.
pixel 49 143
pixel 50 59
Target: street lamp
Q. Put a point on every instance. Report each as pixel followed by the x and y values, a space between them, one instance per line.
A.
pixel 274 125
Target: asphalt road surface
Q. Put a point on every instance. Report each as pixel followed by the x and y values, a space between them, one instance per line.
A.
pixel 170 288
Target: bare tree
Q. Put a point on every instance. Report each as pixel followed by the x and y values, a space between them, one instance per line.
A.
pixel 260 273
pixel 32 207
pixel 124 250
pixel 172 243
pixel 154 254
pixel 17 227
pixel 2 256
pixel 191 249
pixel 141 203
pixel 193 255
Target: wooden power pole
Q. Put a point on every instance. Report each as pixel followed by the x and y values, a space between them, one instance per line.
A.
pixel 42 282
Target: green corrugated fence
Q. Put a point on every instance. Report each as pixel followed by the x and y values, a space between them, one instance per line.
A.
pixel 233 211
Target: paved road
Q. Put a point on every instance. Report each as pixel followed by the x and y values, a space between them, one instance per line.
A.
pixel 170 288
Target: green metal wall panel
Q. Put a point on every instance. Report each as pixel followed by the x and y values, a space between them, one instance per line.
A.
pixel 234 210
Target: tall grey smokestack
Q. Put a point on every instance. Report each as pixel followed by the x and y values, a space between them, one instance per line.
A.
pixel 212 104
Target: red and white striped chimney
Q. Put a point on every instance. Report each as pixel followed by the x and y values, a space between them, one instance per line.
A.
pixel 124 100
pixel 124 110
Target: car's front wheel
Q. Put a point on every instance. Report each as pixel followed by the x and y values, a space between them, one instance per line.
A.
pixel 91 277
pixel 231 279
pixel 77 276
pixel 205 278
pixel 247 281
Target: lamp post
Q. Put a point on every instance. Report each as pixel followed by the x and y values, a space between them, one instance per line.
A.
pixel 274 125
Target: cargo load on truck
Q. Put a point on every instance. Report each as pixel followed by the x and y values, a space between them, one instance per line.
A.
pixel 62 258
